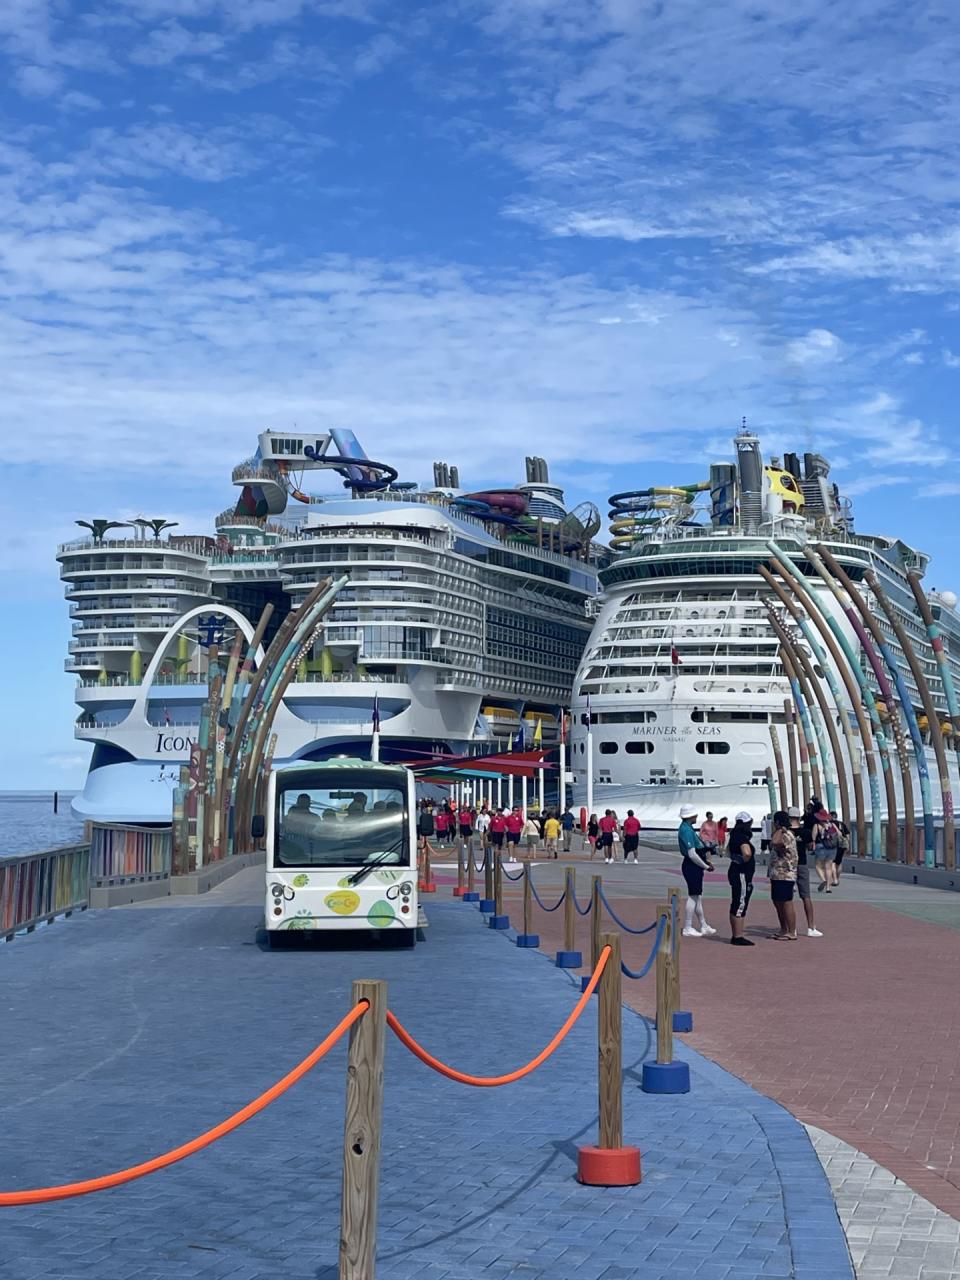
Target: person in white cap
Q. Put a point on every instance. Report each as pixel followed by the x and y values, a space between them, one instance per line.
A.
pixel 740 876
pixel 695 861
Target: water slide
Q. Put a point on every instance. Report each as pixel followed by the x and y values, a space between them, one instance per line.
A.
pixel 634 512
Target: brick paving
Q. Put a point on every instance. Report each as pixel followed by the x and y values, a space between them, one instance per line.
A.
pixel 128 1031
pixel 854 1032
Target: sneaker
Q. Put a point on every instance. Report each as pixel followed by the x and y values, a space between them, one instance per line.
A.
pixel 741 942
pixel 691 933
pixel 814 933
pixel 821 886
pixel 707 931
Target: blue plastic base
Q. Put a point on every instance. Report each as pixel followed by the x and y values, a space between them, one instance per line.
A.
pixel 585 982
pixel 569 959
pixel 487 906
pixel 528 940
pixel 682 1020
pixel 499 922
pixel 665 1077
pixel 471 897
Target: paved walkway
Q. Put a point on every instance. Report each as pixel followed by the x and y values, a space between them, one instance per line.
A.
pixel 854 1032
pixel 128 1031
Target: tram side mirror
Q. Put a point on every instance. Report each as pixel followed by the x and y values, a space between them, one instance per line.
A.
pixel 258 826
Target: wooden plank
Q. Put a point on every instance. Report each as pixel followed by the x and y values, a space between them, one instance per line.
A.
pixel 361 1135
pixel 610 1047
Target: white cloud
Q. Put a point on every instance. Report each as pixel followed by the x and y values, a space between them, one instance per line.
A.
pixel 947 489
pixel 376 54
pixel 76 101
pixel 38 82
pixel 950 360
pixel 818 346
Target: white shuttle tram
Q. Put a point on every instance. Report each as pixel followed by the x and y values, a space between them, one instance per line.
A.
pixel 341 849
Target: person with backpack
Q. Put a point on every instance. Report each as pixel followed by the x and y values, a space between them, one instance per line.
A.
pixel 826 843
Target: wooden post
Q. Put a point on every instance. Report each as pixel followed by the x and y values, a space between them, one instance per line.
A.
pixel 527 903
pixel 675 913
pixel 610 1047
pixel 361 1135
pixel 459 890
pixel 569 911
pixel 664 988
pixel 596 910
pixel 497 885
pixel 471 875
pixel 487 874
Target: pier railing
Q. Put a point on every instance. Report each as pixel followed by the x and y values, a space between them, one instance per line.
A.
pixel 129 855
pixel 37 887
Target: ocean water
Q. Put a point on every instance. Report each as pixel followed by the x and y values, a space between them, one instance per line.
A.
pixel 29 825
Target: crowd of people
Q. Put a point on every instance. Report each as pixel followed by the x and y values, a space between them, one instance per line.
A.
pixel 793 839
pixel 443 823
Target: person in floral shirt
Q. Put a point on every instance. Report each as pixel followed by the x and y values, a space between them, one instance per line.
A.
pixel 782 870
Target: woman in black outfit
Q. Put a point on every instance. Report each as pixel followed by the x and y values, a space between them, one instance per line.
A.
pixel 740 876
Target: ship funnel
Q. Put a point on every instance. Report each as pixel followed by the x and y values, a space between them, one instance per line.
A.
pixel 750 470
pixel 537 471
pixel 454 477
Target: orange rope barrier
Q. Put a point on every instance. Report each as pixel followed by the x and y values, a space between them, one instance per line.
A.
pixel 68 1189
pixel 491 1082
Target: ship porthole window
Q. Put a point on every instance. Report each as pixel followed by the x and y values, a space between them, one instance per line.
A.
pixel 639 748
pixel 713 748
pixel 609 748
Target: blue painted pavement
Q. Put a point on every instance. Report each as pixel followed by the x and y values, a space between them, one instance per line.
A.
pixel 128 1032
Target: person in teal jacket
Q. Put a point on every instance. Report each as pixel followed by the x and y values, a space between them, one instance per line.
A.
pixel 696 860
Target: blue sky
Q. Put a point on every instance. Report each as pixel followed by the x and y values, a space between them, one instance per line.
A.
pixel 600 231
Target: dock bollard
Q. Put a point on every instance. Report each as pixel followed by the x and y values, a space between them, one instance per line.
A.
pixel 471 894
pixel 361 1135
pixel 568 958
pixel 596 907
pixel 487 904
pixel 459 889
pixel 498 920
pixel 682 1018
pixel 527 939
pixel 665 1075
pixel 610 1163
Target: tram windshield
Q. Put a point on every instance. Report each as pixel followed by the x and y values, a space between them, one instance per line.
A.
pixel 321 825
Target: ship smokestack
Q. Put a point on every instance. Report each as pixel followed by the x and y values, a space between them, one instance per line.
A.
pixel 750 470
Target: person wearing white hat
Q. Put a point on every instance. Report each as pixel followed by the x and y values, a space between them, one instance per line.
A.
pixel 740 876
pixel 695 862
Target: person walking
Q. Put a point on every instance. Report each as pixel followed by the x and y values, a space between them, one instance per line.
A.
pixel 498 829
pixel 567 824
pixel 766 831
pixel 607 829
pixel 708 830
pixel 721 835
pixel 804 828
pixel 740 876
pixel 551 834
pixel 465 820
pixel 481 825
pixel 442 823
pixel 631 837
pixel 843 846
pixel 593 834
pixel 531 835
pixel 514 826
pixel 695 862
pixel 426 826
pixel 825 850
pixel 782 870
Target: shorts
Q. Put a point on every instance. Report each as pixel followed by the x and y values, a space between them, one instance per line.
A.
pixel 631 844
pixel 694 878
pixel 823 853
pixel 605 839
pixel 838 857
pixel 764 846
pixel 803 882
pixel 781 890
pixel 496 839
pixel 513 837
pixel 466 833
pixel 740 880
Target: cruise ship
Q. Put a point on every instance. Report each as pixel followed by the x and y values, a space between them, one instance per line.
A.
pixel 465 613
pixel 681 686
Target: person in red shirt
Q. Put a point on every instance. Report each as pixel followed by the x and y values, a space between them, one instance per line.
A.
pixel 442 824
pixel 631 837
pixel 721 835
pixel 498 825
pixel 607 825
pixel 514 825
pixel 466 823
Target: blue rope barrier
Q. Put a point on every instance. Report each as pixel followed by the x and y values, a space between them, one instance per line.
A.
pixel 584 911
pixel 616 919
pixel 518 876
pixel 629 973
pixel 540 902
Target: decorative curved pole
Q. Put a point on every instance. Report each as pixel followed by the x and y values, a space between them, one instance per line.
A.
pixel 853 679
pixel 789 718
pixel 771 789
pixel 813 714
pixel 778 761
pixel 808 748
pixel 909 715
pixel 814 685
pixel 845 708
pixel 930 711
pixel 843 600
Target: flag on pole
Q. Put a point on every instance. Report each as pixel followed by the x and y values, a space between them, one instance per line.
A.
pixel 376 712
pixel 538 734
pixel 675 657
pixel 518 743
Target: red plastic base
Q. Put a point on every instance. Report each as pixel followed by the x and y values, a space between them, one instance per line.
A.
pixel 609 1167
pixel 427 888
pixel 458 892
